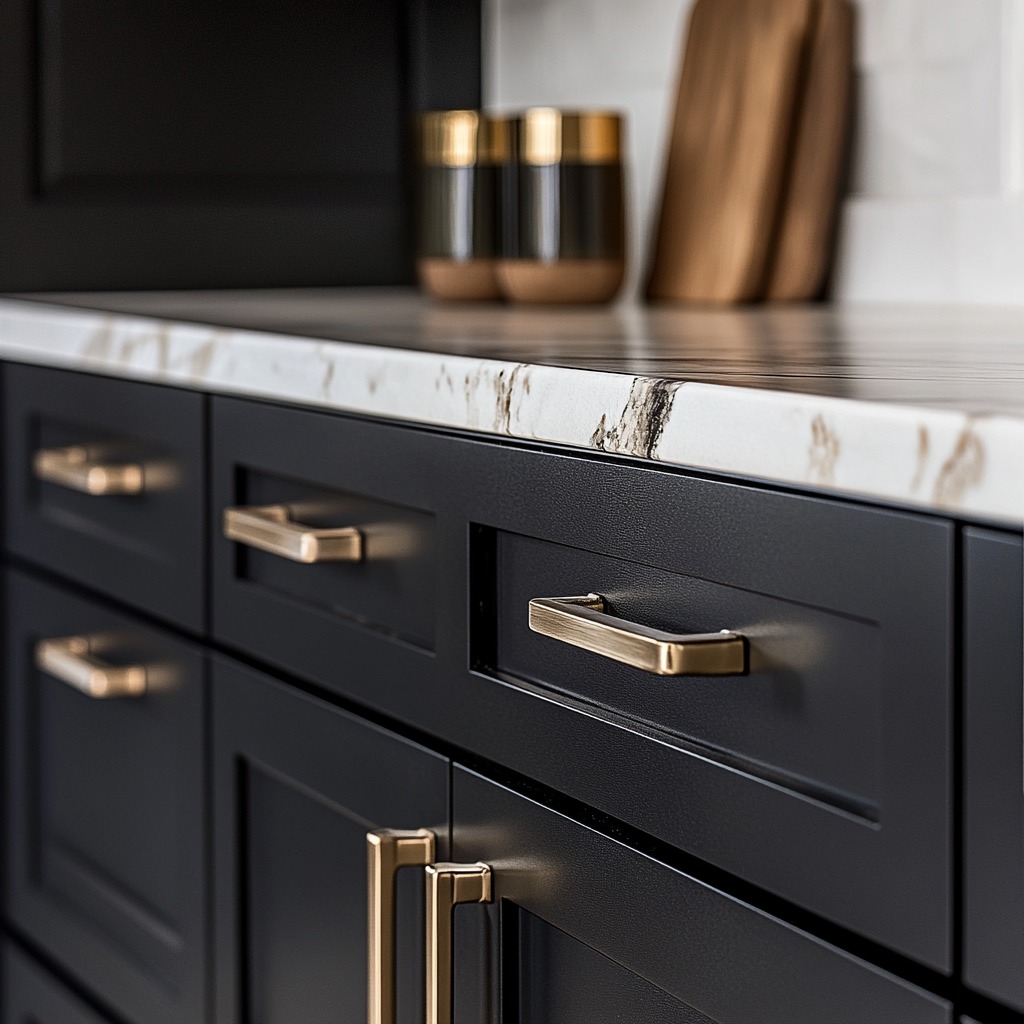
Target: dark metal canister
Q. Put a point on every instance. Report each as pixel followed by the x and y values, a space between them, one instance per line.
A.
pixel 459 235
pixel 564 238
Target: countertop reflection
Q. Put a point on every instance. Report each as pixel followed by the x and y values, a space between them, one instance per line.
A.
pixel 969 359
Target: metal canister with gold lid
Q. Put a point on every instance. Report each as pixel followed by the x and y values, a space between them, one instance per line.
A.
pixel 459 215
pixel 564 238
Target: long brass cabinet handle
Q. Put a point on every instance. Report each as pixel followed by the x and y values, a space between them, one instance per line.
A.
pixel 447 886
pixel 73 660
pixel 387 850
pixel 85 469
pixel 271 528
pixel 584 622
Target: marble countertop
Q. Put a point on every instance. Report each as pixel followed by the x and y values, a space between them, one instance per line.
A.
pixel 918 406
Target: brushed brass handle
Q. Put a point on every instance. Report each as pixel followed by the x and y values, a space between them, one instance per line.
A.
pixel 584 622
pixel 73 660
pixel 447 886
pixel 270 528
pixel 387 850
pixel 85 469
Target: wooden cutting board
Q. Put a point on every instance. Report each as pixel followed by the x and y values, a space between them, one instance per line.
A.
pixel 728 149
pixel 810 203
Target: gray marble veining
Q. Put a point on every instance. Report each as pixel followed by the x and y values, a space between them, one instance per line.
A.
pixel 921 406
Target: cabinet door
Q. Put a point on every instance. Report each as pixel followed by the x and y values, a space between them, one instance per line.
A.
pixel 298 785
pixel 106 866
pixel 993 753
pixel 31 996
pixel 199 145
pixel 583 929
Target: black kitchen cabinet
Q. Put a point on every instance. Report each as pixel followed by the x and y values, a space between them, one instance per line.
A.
pixel 770 846
pixel 298 784
pixel 106 802
pixel 31 996
pixel 105 484
pixel 363 626
pixel 993 765
pixel 838 732
pixel 168 145
pixel 581 929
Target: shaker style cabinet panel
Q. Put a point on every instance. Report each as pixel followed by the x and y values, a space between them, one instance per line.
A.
pixel 105 485
pixel 806 749
pixel 581 928
pixel 994 765
pixel 325 547
pixel 171 145
pixel 31 996
pixel 106 801
pixel 298 784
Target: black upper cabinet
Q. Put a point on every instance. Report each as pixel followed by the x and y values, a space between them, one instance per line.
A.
pixel 168 145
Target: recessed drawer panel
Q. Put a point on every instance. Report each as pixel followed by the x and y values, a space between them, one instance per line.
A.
pixel 801 706
pixel 994 765
pixel 106 813
pixel 32 996
pixel 762 679
pixel 105 485
pixel 325 551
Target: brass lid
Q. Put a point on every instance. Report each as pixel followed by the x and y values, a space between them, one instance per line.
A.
pixel 549 136
pixel 462 138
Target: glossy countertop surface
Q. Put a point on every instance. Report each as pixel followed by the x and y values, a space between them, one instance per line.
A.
pixel 915 405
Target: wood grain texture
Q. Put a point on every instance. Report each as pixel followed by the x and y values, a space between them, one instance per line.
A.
pixel 810 202
pixel 729 149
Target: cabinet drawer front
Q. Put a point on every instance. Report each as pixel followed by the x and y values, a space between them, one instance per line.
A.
pixel 105 485
pixel 582 927
pixel 994 765
pixel 818 764
pixel 32 996
pixel 307 473
pixel 298 785
pixel 106 801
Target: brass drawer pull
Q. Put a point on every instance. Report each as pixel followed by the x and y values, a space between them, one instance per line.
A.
pixel 73 660
pixel 84 469
pixel 584 622
pixel 387 850
pixel 270 528
pixel 447 886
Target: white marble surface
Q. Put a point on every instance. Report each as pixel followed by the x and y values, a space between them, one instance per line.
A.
pixel 915 407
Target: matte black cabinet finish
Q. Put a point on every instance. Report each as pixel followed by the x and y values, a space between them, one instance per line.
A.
pixel 823 775
pixel 365 629
pixel 994 765
pixel 298 785
pixel 106 810
pixel 31 996
pixel 211 145
pixel 840 734
pixel 146 549
pixel 583 929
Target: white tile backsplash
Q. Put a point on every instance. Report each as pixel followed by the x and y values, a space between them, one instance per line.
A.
pixel 938 160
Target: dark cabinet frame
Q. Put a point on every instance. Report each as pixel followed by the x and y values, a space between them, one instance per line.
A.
pixel 168 231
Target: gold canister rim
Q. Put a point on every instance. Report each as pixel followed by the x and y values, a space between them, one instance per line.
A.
pixel 546 135
pixel 462 138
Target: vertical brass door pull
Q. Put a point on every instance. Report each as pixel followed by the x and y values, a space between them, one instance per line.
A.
pixel 72 660
pixel 387 850
pixel 584 622
pixel 271 528
pixel 447 886
pixel 85 469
